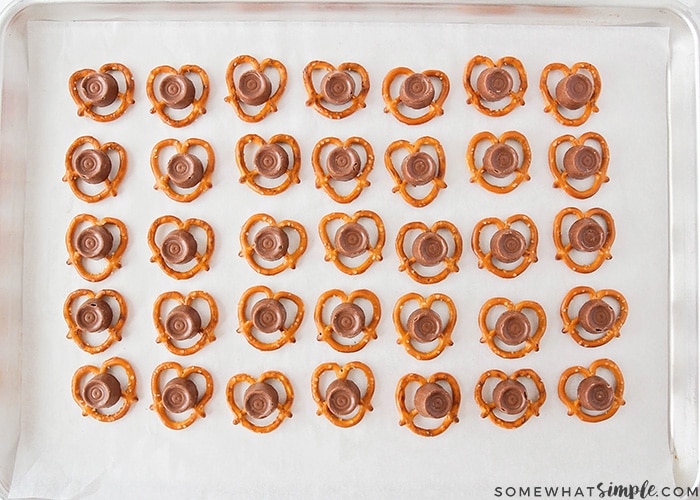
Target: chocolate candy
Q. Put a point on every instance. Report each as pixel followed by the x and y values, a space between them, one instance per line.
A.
pixel 512 327
pixel 500 160
pixel 179 395
pixel 493 84
pixel 417 91
pixel 268 315
pixel 351 239
pixel 185 170
pixel 271 243
pixel 424 325
pixel 343 163
pixel 348 320
pixel 586 235
pixel 94 315
pixel 94 242
pixel 179 247
pixel 254 87
pixel 260 400
pixel 100 89
pixel 102 391
pixel 596 316
pixel 510 396
pixel 342 397
pixel 182 322
pixel 419 168
pixel 92 165
pixel 176 91
pixel 429 249
pixel 337 87
pixel 581 161
pixel 432 401
pixel 595 394
pixel 271 161
pixel 508 245
pixel 574 91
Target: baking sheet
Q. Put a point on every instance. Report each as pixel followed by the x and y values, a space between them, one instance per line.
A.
pixel 63 455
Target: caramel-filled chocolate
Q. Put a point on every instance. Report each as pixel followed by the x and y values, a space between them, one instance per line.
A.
pixel 596 316
pixel 179 247
pixel 254 87
pixel 102 391
pixel 493 84
pixel 595 394
pixel 343 163
pixel 182 322
pixel 574 91
pixel 510 396
pixel 271 243
pixel 429 249
pixel 100 89
pixel 342 397
pixel 432 401
pixel 338 87
pixel 581 161
pixel 348 320
pixel 94 242
pixel 94 315
pixel 185 170
pixel 501 160
pixel 271 161
pixel 419 168
pixel 351 239
pixel 92 165
pixel 424 325
pixel 176 91
pixel 268 315
pixel 179 395
pixel 417 91
pixel 508 245
pixel 586 235
pixel 260 400
pixel 512 327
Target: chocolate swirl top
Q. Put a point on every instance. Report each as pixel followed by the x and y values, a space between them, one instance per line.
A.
pixel 179 247
pixel 351 239
pixel 508 245
pixel 348 320
pixel 92 165
pixel 271 161
pixel 493 84
pixel 268 315
pixel 342 397
pixel 501 160
pixel 179 395
pixel 429 249
pixel 510 396
pixel 595 394
pixel 586 235
pixel 581 161
pixel 432 401
pixel 574 91
pixel 101 89
pixel 102 391
pixel 338 87
pixel 419 168
pixel 182 322
pixel 424 325
pixel 94 315
pixel 417 91
pixel 596 316
pixel 512 327
pixel 254 87
pixel 185 170
pixel 271 243
pixel 343 163
pixel 176 91
pixel 94 242
pixel 260 400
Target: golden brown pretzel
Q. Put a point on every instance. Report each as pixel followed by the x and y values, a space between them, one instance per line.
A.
pixel 316 99
pixel 401 185
pixel 364 404
pixel 449 262
pixel 516 98
pixel 246 326
pixel 551 102
pixel 159 106
pixel 110 185
pixel 488 334
pixel 163 181
pixel 206 333
pixel 112 259
pixel 485 259
pixel 564 251
pixel 445 337
pixel 270 105
pixel 75 333
pixel 521 173
pixel 201 259
pixel 242 417
pixel 325 181
pixel 127 396
pixel 374 252
pixel 488 409
pixel 85 107
pixel 249 174
pixel 574 406
pixel 183 373
pixel 393 103
pixel 326 331
pixel 571 324
pixel 561 176
pixel 408 417
pixel 290 258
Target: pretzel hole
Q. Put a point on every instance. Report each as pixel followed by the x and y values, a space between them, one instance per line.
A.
pixel 272 75
pixel 343 188
pixel 199 381
pixel 249 153
pixel 399 155
pixel 327 315
pixel 581 258
pixel 111 108
pixel 120 375
pixel 354 375
pixel 173 113
pixel 495 105
pixel 552 85
pixel 167 152
pixel 200 305
pixel 419 420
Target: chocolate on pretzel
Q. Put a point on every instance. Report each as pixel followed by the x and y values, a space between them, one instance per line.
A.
pixel 500 161
pixel 495 84
pixel 424 325
pixel 581 162
pixel 429 249
pixel 94 314
pixel 179 394
pixel 185 177
pixel 585 235
pixel 87 161
pixel 509 404
pixel 579 88
pixel 507 246
pixel 337 96
pixel 343 403
pixel 417 92
pixel 95 242
pixel 271 243
pixel 352 239
pixel 103 391
pixel 596 399
pixel 183 322
pixel 176 91
pixel 513 335
pixel 92 90
pixel 342 164
pixel 424 164
pixel 253 88
pixel 596 323
pixel 179 247
pixel 271 161
pixel 260 400
pixel 430 400
pixel 348 319
pixel 268 315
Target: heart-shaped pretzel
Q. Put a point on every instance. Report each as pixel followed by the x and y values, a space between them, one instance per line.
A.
pixel 561 177
pixel 323 178
pixel 246 326
pixel 564 251
pixel 574 405
pixel 110 185
pixel 341 373
pixel 488 334
pixel 571 325
pixel 478 173
pixel 85 107
pixel 197 410
pixel 551 103
pixel 408 417
pixel 160 107
pixel 449 263
pixel 290 258
pixel 112 259
pixel 401 185
pixel 445 337
pixel 241 416
pixel 75 333
pixel 206 333
pixel 393 104
pixel 374 252
pixel 248 174
pixel 201 258
pixel 486 260
pixel 127 396
pixel 516 98
pixel 488 409
pixel 316 98
pixel 270 105
pixel 326 331
pixel 163 181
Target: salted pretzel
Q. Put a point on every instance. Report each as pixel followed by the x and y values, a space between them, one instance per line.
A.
pixel 581 161
pixel 260 401
pixel 500 161
pixel 94 315
pixel 417 92
pixel 347 319
pixel 596 316
pixel 184 170
pixel 95 242
pixel 510 397
pixel 177 91
pixel 352 240
pixel 418 168
pixel 343 164
pixel 337 88
pixel 254 88
pixel 343 403
pixel 179 246
pixel 430 400
pixel 92 89
pixel 103 390
pixel 271 161
pixel 584 235
pixel 183 322
pixel 271 244
pixel 495 84
pixel 429 249
pixel 574 91
pixel 93 165
pixel 596 400
pixel 424 325
pixel 180 394
pixel 513 328
pixel 507 245
pixel 268 315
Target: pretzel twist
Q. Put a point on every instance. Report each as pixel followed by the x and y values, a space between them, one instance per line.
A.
pixel 85 107
pixel 249 174
pixel 290 258
pixel 485 259
pixel 240 416
pixel 445 338
pixel 561 177
pixel 316 99
pixel 408 417
pixel 197 411
pixel 374 253
pixel 128 393
pixel 488 409
pixel 270 105
pixel 551 103
pixel 163 182
pixel 571 324
pixel 326 332
pixel 342 372
pixel 478 173
pixel 488 335
pixel 206 334
pixel 325 181
pixel 75 333
pixel 564 251
pixel 449 264
pixel 516 98
pixel 110 185
pixel 393 103
pixel 112 260
pixel 246 327
pixel 201 259
pixel 574 405
pixel 401 185
pixel 159 106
